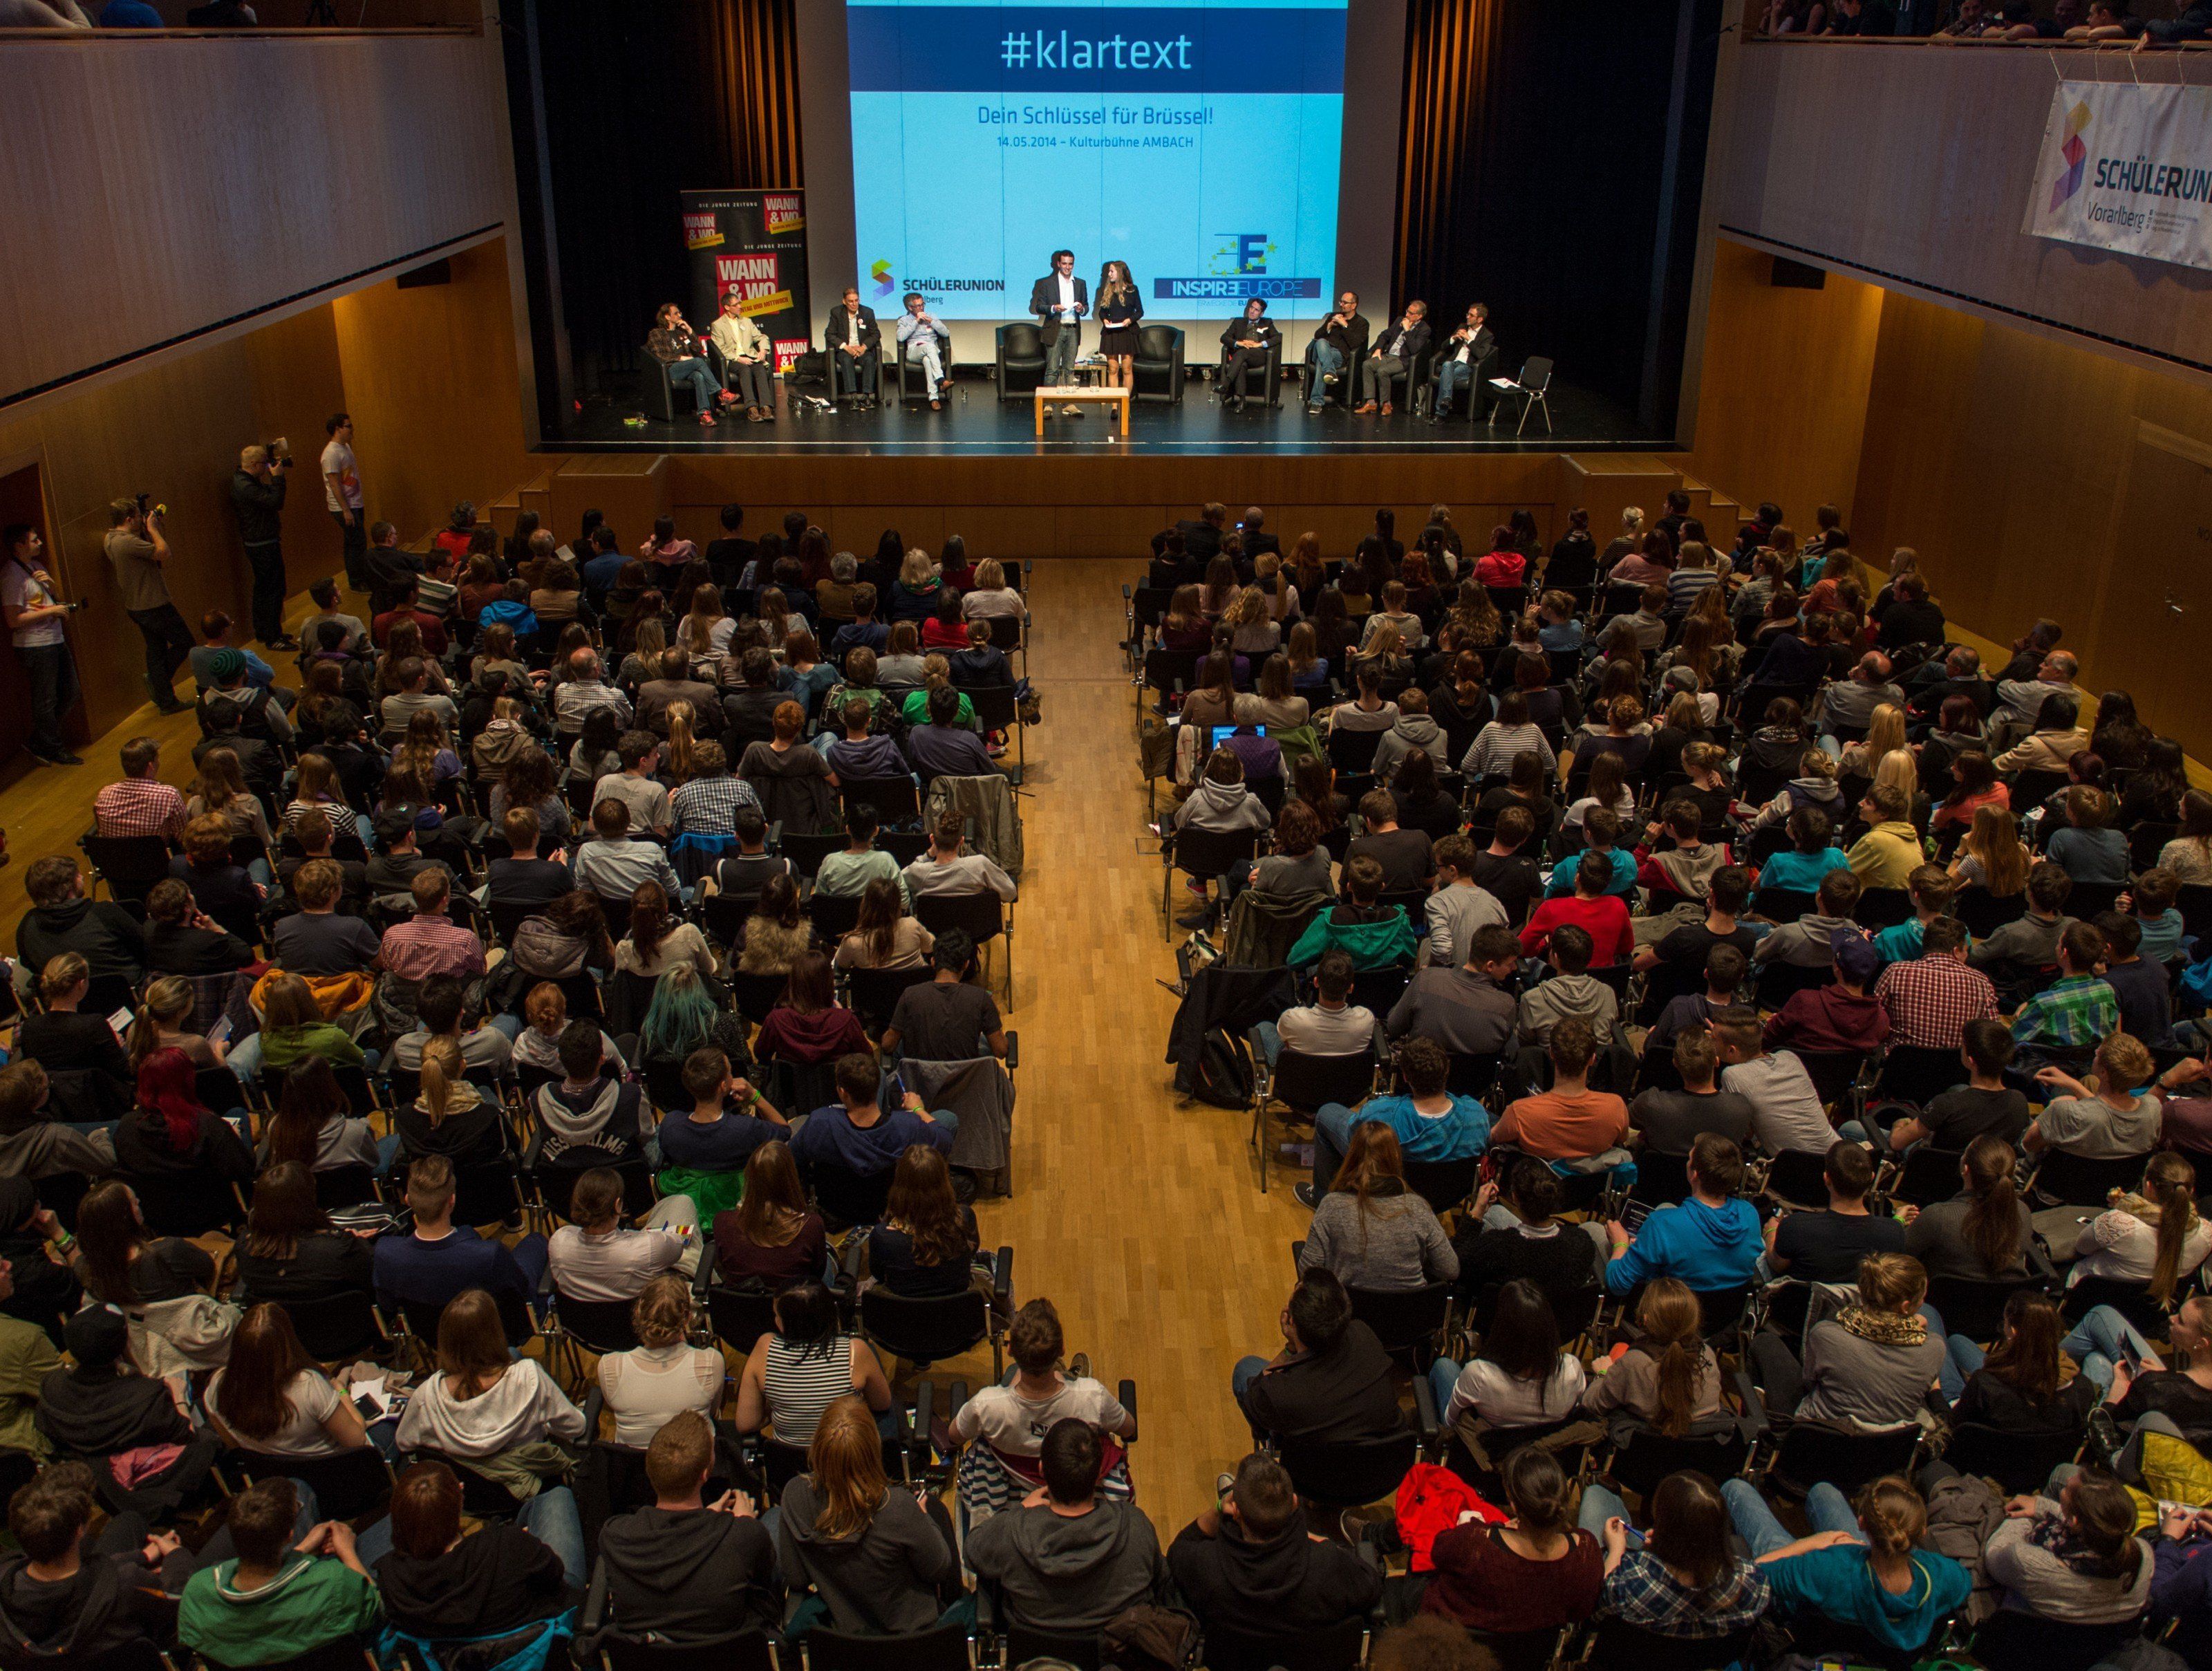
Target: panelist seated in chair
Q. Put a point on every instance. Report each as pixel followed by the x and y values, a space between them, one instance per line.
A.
pixel 853 342
pixel 1246 345
pixel 923 341
pixel 1460 361
pixel 1394 355
pixel 672 343
pixel 748 357
pixel 1340 343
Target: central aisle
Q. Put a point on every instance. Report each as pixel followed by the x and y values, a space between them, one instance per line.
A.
pixel 1141 1220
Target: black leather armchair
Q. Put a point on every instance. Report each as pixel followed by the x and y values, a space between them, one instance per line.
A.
pixel 1415 377
pixel 1271 376
pixel 915 389
pixel 660 389
pixel 1347 383
pixel 1020 354
pixel 1160 356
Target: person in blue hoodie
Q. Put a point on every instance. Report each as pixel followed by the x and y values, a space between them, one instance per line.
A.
pixel 855 1136
pixel 1862 1569
pixel 1710 1242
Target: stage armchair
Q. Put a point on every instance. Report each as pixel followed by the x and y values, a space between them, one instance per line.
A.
pixel 1021 360
pixel 1160 356
pixel 1271 377
pixel 917 389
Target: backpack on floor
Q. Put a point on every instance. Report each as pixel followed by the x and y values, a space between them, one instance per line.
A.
pixel 1225 1073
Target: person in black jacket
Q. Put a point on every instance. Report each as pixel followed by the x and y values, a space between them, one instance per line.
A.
pixel 290 1250
pixel 1245 346
pixel 1395 352
pixel 1464 357
pixel 1330 1381
pixel 64 1040
pixel 441 1586
pixel 1339 344
pixel 42 1291
pixel 853 344
pixel 685 1570
pixel 100 1406
pixel 63 1602
pixel 61 919
pixel 257 493
pixel 183 940
pixel 1058 302
pixel 1249 1565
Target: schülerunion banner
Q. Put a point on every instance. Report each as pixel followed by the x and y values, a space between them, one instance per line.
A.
pixel 2127 167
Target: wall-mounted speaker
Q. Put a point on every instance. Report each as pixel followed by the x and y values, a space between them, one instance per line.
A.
pixel 440 271
pixel 1788 275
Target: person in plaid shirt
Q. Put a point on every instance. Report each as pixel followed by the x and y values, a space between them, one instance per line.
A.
pixel 2076 1009
pixel 140 804
pixel 1683 1582
pixel 709 803
pixel 1931 998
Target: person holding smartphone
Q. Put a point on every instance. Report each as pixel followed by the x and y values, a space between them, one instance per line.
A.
pixel 35 612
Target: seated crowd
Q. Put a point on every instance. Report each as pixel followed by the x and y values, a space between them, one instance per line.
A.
pixel 1733 1019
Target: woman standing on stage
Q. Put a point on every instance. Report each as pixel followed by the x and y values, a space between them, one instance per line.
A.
pixel 1119 310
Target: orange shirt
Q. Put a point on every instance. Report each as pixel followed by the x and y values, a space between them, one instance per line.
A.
pixel 1552 1126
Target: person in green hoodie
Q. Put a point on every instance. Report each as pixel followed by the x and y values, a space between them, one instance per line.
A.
pixel 283 1593
pixel 1862 1569
pixel 1376 936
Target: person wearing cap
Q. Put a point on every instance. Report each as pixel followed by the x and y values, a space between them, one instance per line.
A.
pixel 399 858
pixel 230 691
pixel 1844 1015
pixel 100 1407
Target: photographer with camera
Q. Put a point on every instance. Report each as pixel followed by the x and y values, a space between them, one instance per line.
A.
pixel 35 612
pixel 136 548
pixel 257 493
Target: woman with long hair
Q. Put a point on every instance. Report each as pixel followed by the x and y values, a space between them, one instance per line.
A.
pixel 220 791
pixel 664 1375
pixel 1370 1230
pixel 271 1399
pixel 772 1238
pixel 159 1025
pixel 886 935
pixel 1981 1234
pixel 927 1239
pixel 683 1017
pixel 1537 1572
pixel 2152 1235
pixel 427 749
pixel 1991 855
pixel 531 780
pixel 658 940
pixel 804 1364
pixel 564 939
pixel 1120 309
pixel 880 1561
pixel 291 1250
pixel 169 1132
pixel 2189 855
pixel 1521 1377
pixel 1974 786
pixel 2015 1386
pixel 1316 782
pixel 294 1030
pixel 481 1402
pixel 776 932
pixel 808 1025
pixel 1682 1580
pixel 315 1125
pixel 706 631
pixel 2075 1558
pixel 449 1115
pixel 1666 1376
pixel 2181 1392
pixel 120 1265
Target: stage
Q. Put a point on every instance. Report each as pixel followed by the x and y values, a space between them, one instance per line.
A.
pixel 973 423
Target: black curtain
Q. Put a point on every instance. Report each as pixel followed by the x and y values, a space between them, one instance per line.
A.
pixel 643 99
pixel 1551 164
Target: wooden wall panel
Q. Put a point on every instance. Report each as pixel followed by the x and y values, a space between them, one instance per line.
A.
pixel 1782 397
pixel 1942 145
pixel 155 186
pixel 431 383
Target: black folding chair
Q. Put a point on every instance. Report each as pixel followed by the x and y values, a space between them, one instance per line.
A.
pixel 1303 1084
pixel 1203 855
pixel 983 915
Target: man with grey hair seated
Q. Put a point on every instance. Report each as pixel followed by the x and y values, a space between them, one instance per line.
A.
pixel 1848 704
pixel 2019 701
pixel 582 692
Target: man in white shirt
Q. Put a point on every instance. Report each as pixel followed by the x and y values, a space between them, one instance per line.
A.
pixel 342 498
pixel 1059 300
pixel 921 340
pixel 594 1258
pixel 1785 1110
pixel 946 870
pixel 1331 1025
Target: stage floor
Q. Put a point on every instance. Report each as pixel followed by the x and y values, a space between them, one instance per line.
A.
pixel 973 423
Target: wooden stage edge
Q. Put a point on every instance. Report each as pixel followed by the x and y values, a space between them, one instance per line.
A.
pixel 1104 506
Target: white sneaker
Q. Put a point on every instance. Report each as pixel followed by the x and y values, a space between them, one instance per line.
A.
pixel 1074 411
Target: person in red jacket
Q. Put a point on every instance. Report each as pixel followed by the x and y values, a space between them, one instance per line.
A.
pixel 1604 915
pixel 1844 1015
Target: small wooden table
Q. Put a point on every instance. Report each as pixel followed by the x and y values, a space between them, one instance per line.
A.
pixel 1118 399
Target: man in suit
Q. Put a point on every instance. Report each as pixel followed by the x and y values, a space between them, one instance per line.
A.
pixel 854 346
pixel 1245 343
pixel 1201 540
pixel 1340 343
pixel 1059 300
pixel 1393 356
pixel 1257 540
pixel 1465 356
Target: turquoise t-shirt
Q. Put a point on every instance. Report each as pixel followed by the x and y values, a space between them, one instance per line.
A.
pixel 1900 943
pixel 1838 1583
pixel 1801 873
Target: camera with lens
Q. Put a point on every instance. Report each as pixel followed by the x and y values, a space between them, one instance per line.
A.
pixel 150 509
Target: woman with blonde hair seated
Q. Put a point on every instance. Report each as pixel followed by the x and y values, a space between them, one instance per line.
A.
pixel 665 1374
pixel 877 1560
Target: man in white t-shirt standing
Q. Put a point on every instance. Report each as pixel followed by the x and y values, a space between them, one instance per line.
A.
pixel 35 612
pixel 341 495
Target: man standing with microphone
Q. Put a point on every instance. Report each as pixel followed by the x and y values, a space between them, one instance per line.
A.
pixel 1059 300
pixel 257 493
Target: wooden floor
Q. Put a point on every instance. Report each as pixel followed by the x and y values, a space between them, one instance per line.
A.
pixel 1139 1218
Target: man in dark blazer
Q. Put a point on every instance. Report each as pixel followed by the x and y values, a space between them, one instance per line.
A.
pixel 1258 542
pixel 1058 301
pixel 854 346
pixel 1201 540
pixel 1245 343
pixel 1395 352
pixel 1340 343
pixel 1463 360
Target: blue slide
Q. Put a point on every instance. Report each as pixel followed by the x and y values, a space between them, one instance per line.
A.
pixel 1199 142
